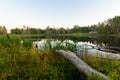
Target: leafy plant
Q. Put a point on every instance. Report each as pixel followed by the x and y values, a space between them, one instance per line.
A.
pixel 27 43
pixel 22 63
pixel 8 40
pixel 56 45
pixel 109 67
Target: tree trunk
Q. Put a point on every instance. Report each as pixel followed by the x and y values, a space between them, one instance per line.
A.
pixel 98 53
pixel 112 48
pixel 81 65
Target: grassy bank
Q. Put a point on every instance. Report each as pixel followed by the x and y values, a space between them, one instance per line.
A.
pixel 109 67
pixel 18 63
pixel 77 34
pixel 23 62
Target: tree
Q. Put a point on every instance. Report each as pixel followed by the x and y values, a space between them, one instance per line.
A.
pixel 48 31
pixel 16 31
pixel 114 24
pixel 3 30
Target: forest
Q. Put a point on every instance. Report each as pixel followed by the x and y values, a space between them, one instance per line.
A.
pixel 107 27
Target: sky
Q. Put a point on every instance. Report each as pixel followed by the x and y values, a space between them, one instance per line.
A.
pixel 56 13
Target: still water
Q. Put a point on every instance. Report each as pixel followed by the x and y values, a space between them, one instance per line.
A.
pixel 102 41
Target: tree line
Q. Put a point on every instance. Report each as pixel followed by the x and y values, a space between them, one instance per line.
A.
pixel 49 30
pixel 109 26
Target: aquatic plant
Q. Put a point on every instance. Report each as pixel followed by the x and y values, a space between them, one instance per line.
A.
pixel 55 45
pixel 27 43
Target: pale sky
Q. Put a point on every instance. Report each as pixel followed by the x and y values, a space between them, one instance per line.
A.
pixel 56 13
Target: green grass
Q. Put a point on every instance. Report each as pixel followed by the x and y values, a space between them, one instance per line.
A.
pixel 20 63
pixel 8 40
pixel 77 34
pixel 30 35
pixel 109 67
pixel 23 62
pixel 27 43
pixel 64 45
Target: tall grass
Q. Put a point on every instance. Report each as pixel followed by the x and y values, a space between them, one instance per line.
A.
pixel 27 43
pixel 23 62
pixel 55 45
pixel 20 63
pixel 109 67
pixel 8 40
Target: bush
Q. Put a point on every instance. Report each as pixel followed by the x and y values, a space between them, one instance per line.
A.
pixel 27 43
pixel 109 67
pixel 20 63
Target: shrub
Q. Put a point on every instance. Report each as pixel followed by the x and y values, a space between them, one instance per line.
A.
pixel 21 63
pixel 109 67
pixel 55 45
pixel 27 43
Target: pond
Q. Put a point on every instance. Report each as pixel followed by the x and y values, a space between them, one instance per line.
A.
pixel 102 41
pixel 80 48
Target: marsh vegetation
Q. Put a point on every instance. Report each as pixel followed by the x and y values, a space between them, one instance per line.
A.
pixel 24 55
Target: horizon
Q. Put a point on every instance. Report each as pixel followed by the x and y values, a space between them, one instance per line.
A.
pixel 59 13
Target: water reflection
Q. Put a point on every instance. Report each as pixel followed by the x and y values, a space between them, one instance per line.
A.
pixel 102 41
pixel 58 44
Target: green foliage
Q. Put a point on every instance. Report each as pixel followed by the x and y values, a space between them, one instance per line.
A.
pixel 3 30
pixel 21 63
pixel 110 26
pixel 58 45
pixel 16 31
pixel 8 40
pixel 109 67
pixel 27 43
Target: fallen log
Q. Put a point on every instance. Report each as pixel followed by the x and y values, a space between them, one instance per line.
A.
pixel 112 48
pixel 101 54
pixel 96 51
pixel 109 50
pixel 81 65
